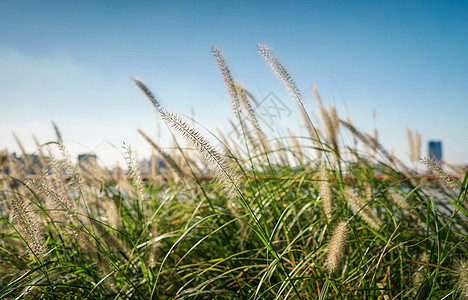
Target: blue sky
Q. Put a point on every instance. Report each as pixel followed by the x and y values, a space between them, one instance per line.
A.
pixel 71 62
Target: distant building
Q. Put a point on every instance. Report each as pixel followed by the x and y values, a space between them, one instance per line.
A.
pixel 31 163
pixel 87 158
pixel 435 150
pixel 152 165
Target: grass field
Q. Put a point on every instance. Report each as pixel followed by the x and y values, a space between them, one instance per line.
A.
pixel 303 217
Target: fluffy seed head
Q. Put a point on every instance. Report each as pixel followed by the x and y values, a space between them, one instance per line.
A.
pixel 134 172
pixel 445 178
pixel 336 247
pixel 369 140
pixel 148 94
pixel 228 178
pixel 228 81
pixel 365 212
pixel 57 133
pixel 166 157
pixel 324 189
pixel 409 136
pixel 417 146
pixel 461 268
pixel 28 226
pixel 280 71
pixel 246 105
pixel 330 121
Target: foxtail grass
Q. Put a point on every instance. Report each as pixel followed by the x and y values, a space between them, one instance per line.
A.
pixel 226 175
pixel 279 221
pixel 336 247
pixel 363 210
pixel 444 178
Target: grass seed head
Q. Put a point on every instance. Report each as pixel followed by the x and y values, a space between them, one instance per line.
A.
pixel 444 178
pixel 365 212
pixel 324 190
pixel 223 172
pixel 461 269
pixel 336 247
pixel 28 223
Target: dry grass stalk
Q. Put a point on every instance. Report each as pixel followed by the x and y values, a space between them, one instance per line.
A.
pixel 313 132
pixel 364 211
pixel 57 133
pixel 444 178
pixel 72 171
pixel 324 190
pixel 17 169
pixel 458 170
pixel 250 97
pixel 228 81
pixel 330 122
pixel 56 190
pixel 223 139
pixel 235 128
pixel 336 247
pixel 117 173
pixel 319 149
pixel 92 172
pixel 235 93
pixel 253 142
pixel 3 158
pixel 86 243
pixel 166 157
pixel 368 140
pixel 350 122
pixel 231 153
pixel 57 198
pixel 335 121
pixel 409 136
pixel 281 153
pixel 154 168
pixel 39 150
pixel 247 106
pixel 228 178
pixel 333 131
pixel 368 190
pixel 74 176
pixel 417 146
pixel 281 72
pixel 397 199
pixel 376 140
pixel 147 93
pixel 134 172
pixel 461 269
pixel 297 148
pixel 154 248
pixel 372 145
pixel 414 144
pixel 112 214
pixel 191 163
pixel 23 151
pixel 28 223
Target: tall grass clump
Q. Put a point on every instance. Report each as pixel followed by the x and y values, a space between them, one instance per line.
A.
pixel 296 217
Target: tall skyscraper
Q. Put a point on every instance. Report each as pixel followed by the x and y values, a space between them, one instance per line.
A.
pixel 435 150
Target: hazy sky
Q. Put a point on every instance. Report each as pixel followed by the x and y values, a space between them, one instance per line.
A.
pixel 71 62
